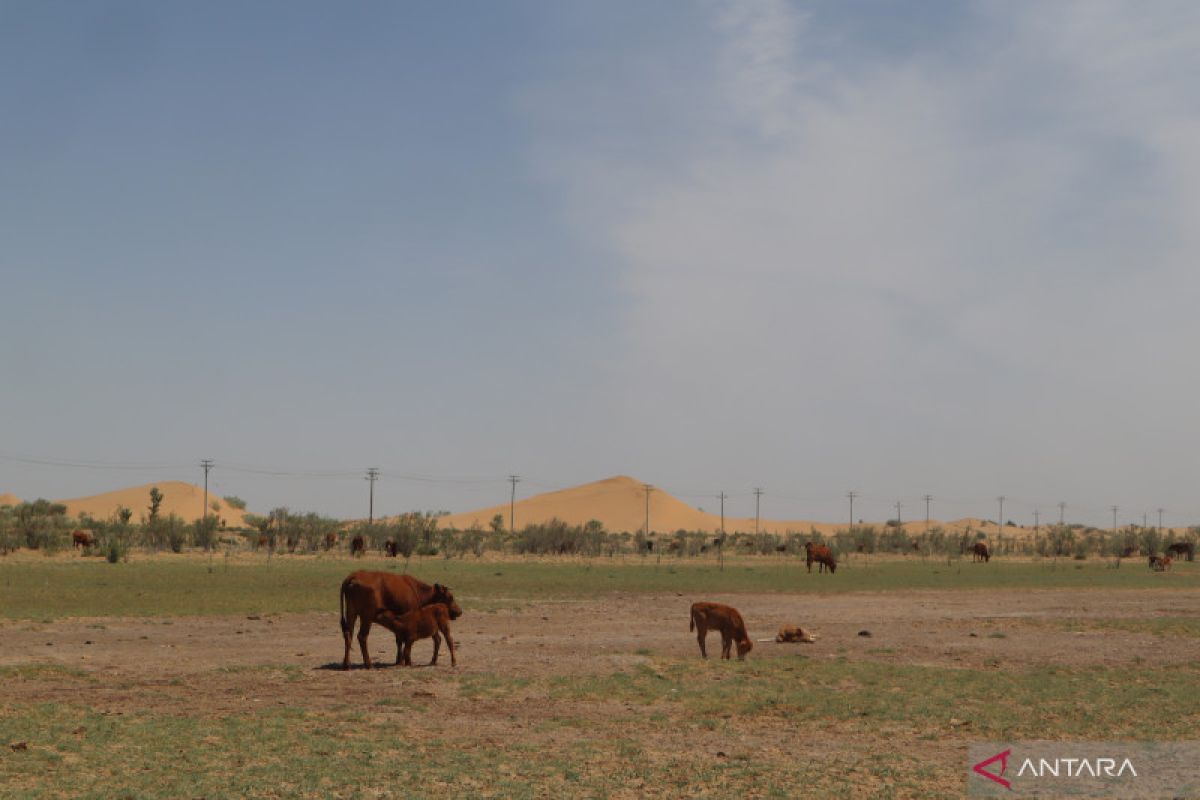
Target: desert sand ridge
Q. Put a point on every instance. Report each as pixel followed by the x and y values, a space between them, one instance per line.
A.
pixel 619 503
pixel 179 497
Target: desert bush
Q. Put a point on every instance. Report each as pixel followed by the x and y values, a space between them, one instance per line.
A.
pixel 9 539
pixel 175 532
pixel 235 502
pixel 42 525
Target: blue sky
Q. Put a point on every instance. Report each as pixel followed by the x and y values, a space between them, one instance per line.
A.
pixel 900 248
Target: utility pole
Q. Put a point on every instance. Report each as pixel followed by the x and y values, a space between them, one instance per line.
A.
pixel 207 463
pixel 1035 522
pixel 1160 522
pixel 852 494
pixel 372 476
pixel 928 497
pixel 722 496
pixel 512 503
pixel 1000 522
pixel 1062 507
pixel 1143 520
pixel 1114 510
pixel 648 489
pixel 898 521
pixel 757 494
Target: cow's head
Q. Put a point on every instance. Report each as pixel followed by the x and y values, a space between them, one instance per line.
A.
pixel 442 594
pixel 744 646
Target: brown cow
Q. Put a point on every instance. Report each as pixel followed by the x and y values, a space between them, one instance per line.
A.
pixel 822 555
pixel 794 633
pixel 979 552
pixel 357 546
pixel 389 548
pixel 1185 549
pixel 431 620
pixel 82 538
pixel 725 619
pixel 331 540
pixel 364 594
pixel 1160 563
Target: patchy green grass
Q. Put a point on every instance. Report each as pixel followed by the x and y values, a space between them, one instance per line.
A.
pixel 1157 626
pixel 45 589
pixel 614 734
pixel 48 671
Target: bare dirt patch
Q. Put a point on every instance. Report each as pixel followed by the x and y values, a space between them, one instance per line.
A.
pixel 219 664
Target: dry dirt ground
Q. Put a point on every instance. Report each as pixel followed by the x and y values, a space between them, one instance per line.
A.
pixel 157 658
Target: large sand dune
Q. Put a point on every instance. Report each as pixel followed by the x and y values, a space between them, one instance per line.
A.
pixel 9 500
pixel 179 498
pixel 620 504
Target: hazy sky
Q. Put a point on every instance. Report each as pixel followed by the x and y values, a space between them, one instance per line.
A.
pixel 902 248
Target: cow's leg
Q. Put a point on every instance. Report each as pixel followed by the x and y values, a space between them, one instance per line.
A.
pixel 808 561
pixel 408 645
pixel 437 645
pixel 701 635
pixel 348 634
pixel 399 650
pixel 450 646
pixel 362 640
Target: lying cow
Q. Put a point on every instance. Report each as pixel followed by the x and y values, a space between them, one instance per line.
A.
pixel 820 554
pixel 82 539
pixel 979 552
pixel 432 620
pixel 364 594
pixel 794 633
pixel 1160 563
pixel 725 619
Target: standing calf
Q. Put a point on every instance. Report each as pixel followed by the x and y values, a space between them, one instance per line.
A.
pixel 725 619
pixel 432 620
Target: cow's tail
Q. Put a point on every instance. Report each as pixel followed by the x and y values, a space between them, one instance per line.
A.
pixel 342 607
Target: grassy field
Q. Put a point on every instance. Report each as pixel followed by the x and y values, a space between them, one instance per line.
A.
pixel 367 750
pixel 50 588
pixel 846 717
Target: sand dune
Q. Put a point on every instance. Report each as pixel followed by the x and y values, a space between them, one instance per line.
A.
pixel 620 504
pixel 9 500
pixel 179 498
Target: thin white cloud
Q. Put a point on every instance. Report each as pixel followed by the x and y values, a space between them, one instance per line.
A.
pixel 953 259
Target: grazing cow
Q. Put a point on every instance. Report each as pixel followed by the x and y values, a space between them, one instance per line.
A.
pixel 364 594
pixel 331 540
pixel 822 555
pixel 357 546
pixel 979 552
pixel 389 548
pixel 725 619
pixel 794 633
pixel 263 541
pixel 431 620
pixel 1185 549
pixel 1160 563
pixel 82 539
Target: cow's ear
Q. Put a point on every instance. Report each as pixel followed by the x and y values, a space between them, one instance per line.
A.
pixel 437 587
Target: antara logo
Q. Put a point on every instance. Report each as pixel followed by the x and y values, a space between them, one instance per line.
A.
pixel 1057 767
pixel 982 766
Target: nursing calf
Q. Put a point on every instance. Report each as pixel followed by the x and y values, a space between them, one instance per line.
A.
pixel 365 594
pixel 423 623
